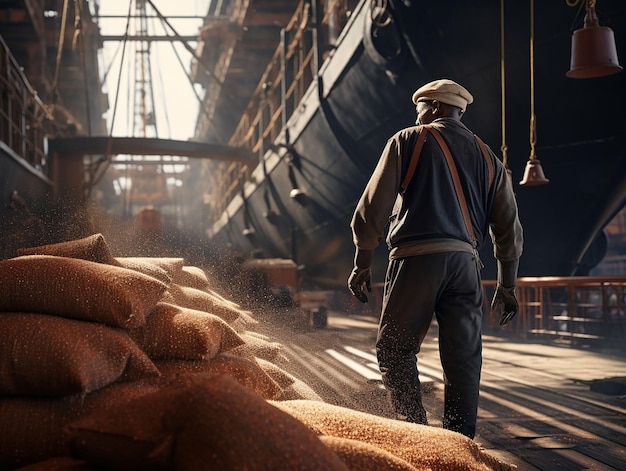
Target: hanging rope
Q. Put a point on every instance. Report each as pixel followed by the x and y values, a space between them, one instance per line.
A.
pixel 55 82
pixel 533 119
pixel 503 148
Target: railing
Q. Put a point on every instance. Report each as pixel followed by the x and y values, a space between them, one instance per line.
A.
pixel 23 116
pixel 283 84
pixel 578 310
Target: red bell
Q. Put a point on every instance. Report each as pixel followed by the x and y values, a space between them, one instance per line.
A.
pixel 593 49
pixel 533 174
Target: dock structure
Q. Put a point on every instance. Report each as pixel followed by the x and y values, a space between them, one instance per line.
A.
pixel 553 385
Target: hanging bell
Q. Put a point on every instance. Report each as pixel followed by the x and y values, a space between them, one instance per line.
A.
pixel 593 49
pixel 533 174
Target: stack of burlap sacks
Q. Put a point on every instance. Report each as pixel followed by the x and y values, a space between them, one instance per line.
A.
pixel 137 363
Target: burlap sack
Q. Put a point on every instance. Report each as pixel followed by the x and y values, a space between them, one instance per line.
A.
pixel 247 318
pixel 260 348
pixel 42 355
pixel 199 423
pixel 93 248
pixel 282 378
pixel 147 268
pixel 421 446
pixel 360 456
pixel 77 289
pixel 292 387
pixel 127 435
pixel 246 371
pixel 32 429
pixel 174 332
pixel 191 276
pixel 225 300
pixel 298 390
pixel 201 301
pixel 59 464
pixel 243 323
pixel 171 265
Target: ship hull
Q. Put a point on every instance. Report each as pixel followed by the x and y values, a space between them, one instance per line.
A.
pixel 363 96
pixel 25 194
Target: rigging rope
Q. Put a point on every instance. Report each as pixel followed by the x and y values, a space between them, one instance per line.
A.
pixel 503 148
pixel 201 102
pixel 55 82
pixel 230 97
pixel 119 78
pixel 533 120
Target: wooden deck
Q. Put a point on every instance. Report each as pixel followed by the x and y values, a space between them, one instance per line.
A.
pixel 538 409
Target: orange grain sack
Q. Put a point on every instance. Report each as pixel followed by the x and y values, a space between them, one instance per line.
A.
pixel 42 355
pixel 199 422
pixel 77 289
pixel 245 370
pixel 171 265
pixel 174 332
pixel 93 248
pixel 32 429
pixel 421 446
pixel 199 300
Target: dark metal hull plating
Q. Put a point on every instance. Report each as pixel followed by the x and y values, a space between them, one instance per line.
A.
pixel 362 98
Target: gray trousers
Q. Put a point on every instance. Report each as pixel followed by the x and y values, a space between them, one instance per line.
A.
pixel 448 285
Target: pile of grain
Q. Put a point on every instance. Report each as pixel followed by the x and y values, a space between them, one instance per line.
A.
pixel 138 363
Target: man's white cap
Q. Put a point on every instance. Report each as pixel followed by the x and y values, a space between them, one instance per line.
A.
pixel 445 91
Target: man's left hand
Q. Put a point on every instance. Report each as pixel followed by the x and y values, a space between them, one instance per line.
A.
pixel 504 303
pixel 359 278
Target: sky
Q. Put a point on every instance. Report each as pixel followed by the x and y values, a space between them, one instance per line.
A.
pixel 175 104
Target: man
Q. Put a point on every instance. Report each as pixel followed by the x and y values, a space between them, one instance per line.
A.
pixel 433 261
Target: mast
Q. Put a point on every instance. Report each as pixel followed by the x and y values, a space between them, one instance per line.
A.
pixel 144 124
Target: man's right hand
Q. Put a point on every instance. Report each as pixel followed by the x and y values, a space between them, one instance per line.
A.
pixel 360 278
pixel 504 304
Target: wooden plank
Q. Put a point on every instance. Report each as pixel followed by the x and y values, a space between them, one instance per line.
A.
pixel 610 456
pixel 563 333
pixel 548 460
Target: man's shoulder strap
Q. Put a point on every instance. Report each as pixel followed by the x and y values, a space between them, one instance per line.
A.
pixel 457 185
pixel 417 150
pixel 415 156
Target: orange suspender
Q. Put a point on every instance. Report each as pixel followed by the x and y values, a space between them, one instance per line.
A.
pixel 453 171
pixel 457 184
pixel 415 156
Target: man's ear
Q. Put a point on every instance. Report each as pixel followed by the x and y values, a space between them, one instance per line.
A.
pixel 435 106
